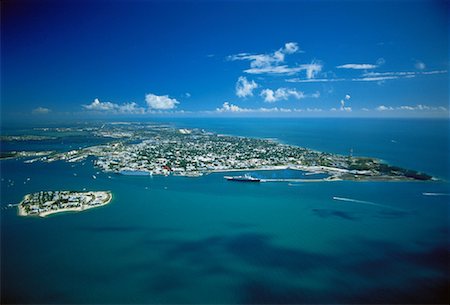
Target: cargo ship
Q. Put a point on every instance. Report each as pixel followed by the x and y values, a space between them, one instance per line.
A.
pixel 245 178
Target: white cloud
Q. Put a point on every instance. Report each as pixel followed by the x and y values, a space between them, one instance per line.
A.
pixel 273 63
pixel 291 47
pixel 100 106
pixel 419 107
pixel 271 96
pixel 245 88
pixel 383 108
pixel 160 102
pixel 231 108
pixel 41 110
pixel 227 107
pixel 419 65
pixel 435 72
pixel 314 95
pixel 357 66
pixel 130 108
pixel 377 78
pixel 370 77
pixel 264 60
pixel 187 94
pixel 314 109
pixel 376 74
pixel 312 69
pixel 274 70
pixel 343 107
pixel 314 80
pixel 383 76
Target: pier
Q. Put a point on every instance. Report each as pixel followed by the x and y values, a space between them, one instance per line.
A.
pixel 297 180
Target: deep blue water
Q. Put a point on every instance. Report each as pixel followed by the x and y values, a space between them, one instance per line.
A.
pixel 207 240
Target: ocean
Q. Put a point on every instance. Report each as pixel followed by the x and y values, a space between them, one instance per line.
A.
pixel 204 240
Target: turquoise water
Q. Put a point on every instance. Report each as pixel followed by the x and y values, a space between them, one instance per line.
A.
pixel 207 240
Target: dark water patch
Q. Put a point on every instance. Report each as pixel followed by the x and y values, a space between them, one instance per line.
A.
pixel 255 292
pixel 201 247
pixel 239 225
pixel 380 260
pixel 422 291
pixel 325 213
pixel 392 214
pixel 258 250
pixel 254 249
pixel 23 297
pixel 165 282
pixel 112 229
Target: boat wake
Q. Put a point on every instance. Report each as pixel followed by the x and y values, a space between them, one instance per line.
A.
pixel 365 202
pixel 435 194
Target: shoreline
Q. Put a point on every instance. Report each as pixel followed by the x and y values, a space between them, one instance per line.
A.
pixel 83 207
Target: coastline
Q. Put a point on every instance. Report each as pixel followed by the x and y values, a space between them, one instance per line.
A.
pixel 83 207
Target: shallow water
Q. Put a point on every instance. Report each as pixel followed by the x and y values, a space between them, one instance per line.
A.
pixel 208 240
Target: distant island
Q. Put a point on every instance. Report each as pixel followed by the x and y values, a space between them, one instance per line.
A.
pixel 26 138
pixel 45 203
pixel 151 149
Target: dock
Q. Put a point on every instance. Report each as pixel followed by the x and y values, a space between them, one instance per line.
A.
pixel 297 180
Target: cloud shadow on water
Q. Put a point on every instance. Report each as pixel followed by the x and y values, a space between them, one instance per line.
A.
pixel 325 213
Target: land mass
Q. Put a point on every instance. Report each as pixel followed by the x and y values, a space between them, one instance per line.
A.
pixel 150 149
pixel 26 138
pixel 45 203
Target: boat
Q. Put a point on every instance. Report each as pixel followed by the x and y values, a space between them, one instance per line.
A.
pixel 245 178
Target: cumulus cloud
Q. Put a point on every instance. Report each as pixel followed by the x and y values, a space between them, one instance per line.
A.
pixel 245 88
pixel 160 102
pixel 271 96
pixel 357 66
pixel 291 47
pixel 344 108
pixel 108 107
pixel 100 106
pixel 228 107
pixel 41 110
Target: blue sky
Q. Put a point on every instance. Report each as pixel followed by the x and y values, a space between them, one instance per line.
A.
pixel 211 58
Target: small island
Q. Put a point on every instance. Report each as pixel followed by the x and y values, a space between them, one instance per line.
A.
pixel 45 203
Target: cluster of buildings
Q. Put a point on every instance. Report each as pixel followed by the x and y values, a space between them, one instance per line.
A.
pixel 193 152
pixel 162 150
pixel 48 202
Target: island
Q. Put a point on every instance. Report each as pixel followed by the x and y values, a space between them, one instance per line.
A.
pixel 45 203
pixel 23 154
pixel 26 138
pixel 152 149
